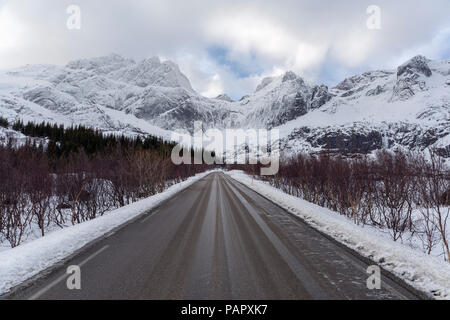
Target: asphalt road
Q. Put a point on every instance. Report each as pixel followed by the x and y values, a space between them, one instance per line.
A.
pixel 216 239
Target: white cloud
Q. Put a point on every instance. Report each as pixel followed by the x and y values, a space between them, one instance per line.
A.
pixel 214 87
pixel 11 31
pixel 259 36
pixel 354 48
pixel 250 36
pixel 434 48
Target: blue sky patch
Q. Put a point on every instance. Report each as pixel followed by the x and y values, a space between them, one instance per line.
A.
pixel 240 69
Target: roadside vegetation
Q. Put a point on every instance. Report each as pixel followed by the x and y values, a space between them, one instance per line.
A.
pixel 77 174
pixel 407 194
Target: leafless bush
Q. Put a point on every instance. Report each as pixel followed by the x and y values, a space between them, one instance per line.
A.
pixel 38 191
pixel 437 182
pixel 394 191
pixel 383 190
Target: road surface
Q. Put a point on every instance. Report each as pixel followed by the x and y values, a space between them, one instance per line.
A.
pixel 217 239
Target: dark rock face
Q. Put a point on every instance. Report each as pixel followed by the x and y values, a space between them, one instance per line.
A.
pixel 417 64
pixel 288 76
pixel 363 139
pixel 339 140
pixel 320 96
pixel 349 93
pixel 303 101
pixel 354 142
pixel 403 90
pixel 347 84
pixel 413 136
pixel 357 84
pixel 290 109
pixel 410 78
pixel 374 92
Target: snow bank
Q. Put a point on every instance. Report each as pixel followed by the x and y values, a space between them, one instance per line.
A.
pixel 25 261
pixel 426 273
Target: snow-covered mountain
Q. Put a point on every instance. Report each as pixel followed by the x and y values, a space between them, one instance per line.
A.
pixel 110 93
pixel 278 100
pixel 224 97
pixel 408 107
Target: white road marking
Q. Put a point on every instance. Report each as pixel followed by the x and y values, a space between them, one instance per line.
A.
pixel 109 234
pixel 149 216
pixel 64 276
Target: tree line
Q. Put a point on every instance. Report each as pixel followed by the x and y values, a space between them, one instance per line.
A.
pixel 64 141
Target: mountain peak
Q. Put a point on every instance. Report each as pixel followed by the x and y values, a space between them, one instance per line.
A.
pixel 288 76
pixel 101 64
pixel 224 97
pixel 149 71
pixel 152 72
pixel 417 64
pixel 154 59
pixel 264 83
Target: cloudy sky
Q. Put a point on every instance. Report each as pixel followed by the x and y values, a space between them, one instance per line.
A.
pixel 229 46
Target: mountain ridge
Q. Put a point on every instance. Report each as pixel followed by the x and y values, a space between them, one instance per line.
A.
pixel 116 94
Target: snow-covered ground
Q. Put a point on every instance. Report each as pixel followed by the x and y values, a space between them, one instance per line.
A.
pixel 427 273
pixel 23 262
pixel 17 138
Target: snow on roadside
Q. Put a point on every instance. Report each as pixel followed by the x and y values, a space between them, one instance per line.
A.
pixel 23 262
pixel 425 273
